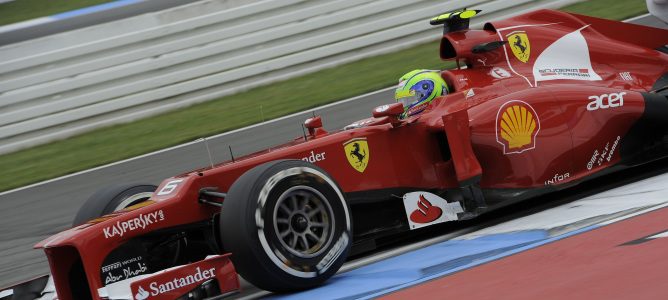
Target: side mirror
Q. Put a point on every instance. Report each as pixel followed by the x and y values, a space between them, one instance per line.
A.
pixel 314 126
pixel 390 111
pixel 487 47
pixel 313 123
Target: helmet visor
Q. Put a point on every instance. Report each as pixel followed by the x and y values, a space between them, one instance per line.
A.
pixel 407 98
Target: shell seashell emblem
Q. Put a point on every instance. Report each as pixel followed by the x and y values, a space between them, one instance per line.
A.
pixel 517 125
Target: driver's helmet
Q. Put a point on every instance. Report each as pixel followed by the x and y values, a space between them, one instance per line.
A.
pixel 417 88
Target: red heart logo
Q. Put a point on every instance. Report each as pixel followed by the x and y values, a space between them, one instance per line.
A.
pixel 425 212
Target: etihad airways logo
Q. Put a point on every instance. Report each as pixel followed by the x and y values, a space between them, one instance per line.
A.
pixel 139 222
pixel 157 288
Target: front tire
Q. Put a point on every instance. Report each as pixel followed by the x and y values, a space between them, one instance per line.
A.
pixel 287 226
pixel 111 199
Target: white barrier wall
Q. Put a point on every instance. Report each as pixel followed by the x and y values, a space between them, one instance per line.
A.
pixel 61 85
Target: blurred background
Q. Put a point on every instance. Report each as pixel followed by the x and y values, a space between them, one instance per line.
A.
pixel 95 81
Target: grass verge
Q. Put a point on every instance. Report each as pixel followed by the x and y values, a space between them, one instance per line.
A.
pixel 22 10
pixel 118 142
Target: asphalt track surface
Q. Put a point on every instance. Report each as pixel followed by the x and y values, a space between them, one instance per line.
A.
pixel 621 260
pixel 35 212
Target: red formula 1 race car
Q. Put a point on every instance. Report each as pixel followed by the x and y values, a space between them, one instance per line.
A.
pixel 541 102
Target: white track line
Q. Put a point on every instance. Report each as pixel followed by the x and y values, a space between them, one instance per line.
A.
pixel 197 141
pixel 637 17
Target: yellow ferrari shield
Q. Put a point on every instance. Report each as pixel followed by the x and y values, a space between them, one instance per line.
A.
pixel 357 152
pixel 519 43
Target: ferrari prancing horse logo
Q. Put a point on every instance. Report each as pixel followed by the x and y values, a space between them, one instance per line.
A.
pixel 357 153
pixel 519 43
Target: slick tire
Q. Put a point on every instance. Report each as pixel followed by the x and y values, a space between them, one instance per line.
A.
pixel 111 199
pixel 287 226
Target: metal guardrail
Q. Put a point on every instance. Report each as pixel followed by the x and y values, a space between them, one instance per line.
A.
pixel 82 17
pixel 61 85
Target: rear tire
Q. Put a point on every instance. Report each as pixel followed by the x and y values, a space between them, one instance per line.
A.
pixel 111 199
pixel 287 226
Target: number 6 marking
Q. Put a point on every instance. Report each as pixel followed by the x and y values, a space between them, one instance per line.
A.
pixel 169 187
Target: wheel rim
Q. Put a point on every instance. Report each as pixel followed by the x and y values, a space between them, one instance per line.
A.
pixel 132 200
pixel 303 221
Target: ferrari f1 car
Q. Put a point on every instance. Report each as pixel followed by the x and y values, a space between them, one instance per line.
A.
pixel 540 102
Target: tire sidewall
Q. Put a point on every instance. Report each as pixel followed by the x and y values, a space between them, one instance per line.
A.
pixel 263 250
pixel 339 236
pixel 106 200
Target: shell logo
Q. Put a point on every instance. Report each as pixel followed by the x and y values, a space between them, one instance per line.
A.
pixel 517 125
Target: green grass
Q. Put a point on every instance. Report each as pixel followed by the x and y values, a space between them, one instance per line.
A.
pixel 123 141
pixel 609 9
pixel 22 10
